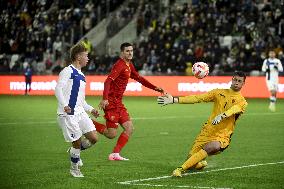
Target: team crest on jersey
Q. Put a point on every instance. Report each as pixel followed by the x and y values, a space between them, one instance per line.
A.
pixel 126 70
pixel 112 118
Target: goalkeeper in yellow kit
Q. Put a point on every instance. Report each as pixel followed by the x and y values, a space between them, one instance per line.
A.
pixel 215 135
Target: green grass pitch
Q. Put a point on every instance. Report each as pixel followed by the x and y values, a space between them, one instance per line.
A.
pixel 33 151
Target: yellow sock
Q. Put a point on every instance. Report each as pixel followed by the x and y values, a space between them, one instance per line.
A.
pixel 194 159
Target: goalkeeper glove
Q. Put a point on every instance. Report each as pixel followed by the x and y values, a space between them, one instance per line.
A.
pixel 219 118
pixel 166 99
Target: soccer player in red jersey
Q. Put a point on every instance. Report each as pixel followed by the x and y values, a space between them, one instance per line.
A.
pixel 115 112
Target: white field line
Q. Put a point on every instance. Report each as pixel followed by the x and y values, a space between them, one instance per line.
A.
pixel 201 172
pixel 29 123
pixel 179 186
pixel 24 121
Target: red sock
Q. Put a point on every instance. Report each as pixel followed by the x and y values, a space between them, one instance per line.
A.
pixel 99 127
pixel 122 140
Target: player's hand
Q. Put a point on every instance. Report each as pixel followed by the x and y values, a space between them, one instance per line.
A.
pixel 67 109
pixel 95 113
pixel 219 118
pixel 159 89
pixel 103 104
pixel 165 99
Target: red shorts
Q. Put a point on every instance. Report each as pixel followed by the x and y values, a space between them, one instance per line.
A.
pixel 116 116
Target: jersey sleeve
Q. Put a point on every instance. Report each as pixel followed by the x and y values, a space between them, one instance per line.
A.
pixel 206 97
pixel 106 88
pixel 134 75
pixel 87 107
pixel 115 71
pixel 264 66
pixel 237 109
pixel 280 67
pixel 62 80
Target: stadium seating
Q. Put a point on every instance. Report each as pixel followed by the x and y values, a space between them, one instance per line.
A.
pixel 227 35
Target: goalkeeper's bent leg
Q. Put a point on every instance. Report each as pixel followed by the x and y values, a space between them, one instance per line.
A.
pixel 194 159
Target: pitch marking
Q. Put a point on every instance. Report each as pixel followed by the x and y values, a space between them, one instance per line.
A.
pixel 179 186
pixel 135 182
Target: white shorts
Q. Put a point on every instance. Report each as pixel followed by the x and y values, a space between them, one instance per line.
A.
pixel 272 85
pixel 74 126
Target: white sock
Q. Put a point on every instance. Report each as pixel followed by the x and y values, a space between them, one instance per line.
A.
pixel 272 99
pixel 74 155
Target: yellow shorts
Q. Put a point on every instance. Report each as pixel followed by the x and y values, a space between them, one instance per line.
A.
pixel 204 137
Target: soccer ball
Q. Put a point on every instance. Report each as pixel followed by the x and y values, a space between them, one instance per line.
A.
pixel 200 70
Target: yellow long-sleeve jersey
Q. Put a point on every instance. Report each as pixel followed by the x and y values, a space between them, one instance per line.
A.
pixel 225 101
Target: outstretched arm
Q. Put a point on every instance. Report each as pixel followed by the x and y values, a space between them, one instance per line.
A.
pixel 169 99
pixel 192 99
pixel 134 75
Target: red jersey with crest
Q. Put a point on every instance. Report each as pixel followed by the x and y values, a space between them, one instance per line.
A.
pixel 117 80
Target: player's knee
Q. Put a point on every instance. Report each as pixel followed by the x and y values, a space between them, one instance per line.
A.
pixel 111 134
pixel 76 144
pixel 213 151
pixel 129 130
pixel 212 148
pixel 93 140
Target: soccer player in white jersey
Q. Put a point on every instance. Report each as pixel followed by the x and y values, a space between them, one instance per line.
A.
pixel 72 108
pixel 272 66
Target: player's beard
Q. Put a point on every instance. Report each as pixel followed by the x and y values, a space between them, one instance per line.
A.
pixel 129 57
pixel 235 88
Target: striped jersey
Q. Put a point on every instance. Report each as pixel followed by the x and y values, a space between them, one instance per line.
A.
pixel 70 91
pixel 272 66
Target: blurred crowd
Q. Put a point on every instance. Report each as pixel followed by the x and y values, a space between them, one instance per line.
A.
pixel 38 32
pixel 226 34
pixel 122 17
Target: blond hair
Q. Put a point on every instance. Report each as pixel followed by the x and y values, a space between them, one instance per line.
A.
pixel 77 49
